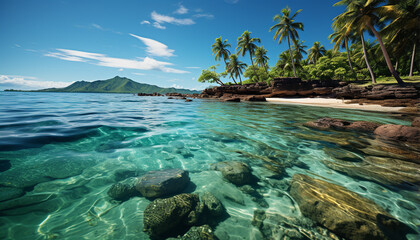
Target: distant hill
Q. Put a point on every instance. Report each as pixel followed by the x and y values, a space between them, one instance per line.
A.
pixel 116 85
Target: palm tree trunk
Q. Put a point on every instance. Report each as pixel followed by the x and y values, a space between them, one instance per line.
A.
pixel 386 56
pixel 412 60
pixel 250 55
pixel 396 65
pixel 226 70
pixel 266 70
pixel 240 79
pixel 348 57
pixel 291 56
pixel 372 75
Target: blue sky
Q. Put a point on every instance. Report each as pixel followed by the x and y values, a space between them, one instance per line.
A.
pixel 52 43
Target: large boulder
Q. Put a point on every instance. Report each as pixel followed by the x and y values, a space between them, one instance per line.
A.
pixel 345 213
pixel 363 126
pixel 163 183
pixel 238 173
pixel 212 206
pixel 399 133
pixel 198 233
pixel 170 217
pixel 328 123
pixel 7 193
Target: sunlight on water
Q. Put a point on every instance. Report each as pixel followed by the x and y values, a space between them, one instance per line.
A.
pixel 66 150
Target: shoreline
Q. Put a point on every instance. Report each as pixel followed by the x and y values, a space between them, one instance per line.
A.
pixel 333 103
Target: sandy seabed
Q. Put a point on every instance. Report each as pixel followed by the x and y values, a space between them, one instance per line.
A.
pixel 334 103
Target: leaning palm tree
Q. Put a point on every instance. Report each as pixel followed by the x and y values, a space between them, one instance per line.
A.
pixel 286 27
pixel 361 15
pixel 315 52
pixel 341 38
pixel 367 47
pixel 404 27
pixel 247 44
pixel 261 58
pixel 235 67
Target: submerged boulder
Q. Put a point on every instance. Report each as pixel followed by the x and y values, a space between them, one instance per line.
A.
pixel 124 190
pixel 171 216
pixel 238 173
pixel 363 126
pixel 328 123
pixel 399 133
pixel 7 193
pixel 345 213
pixel 212 206
pixel 163 183
pixel 198 233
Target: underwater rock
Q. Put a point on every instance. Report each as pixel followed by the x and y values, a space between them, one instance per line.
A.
pixel 363 126
pixel 123 190
pixel 399 133
pixel 382 170
pixel 328 123
pixel 255 195
pixel 162 183
pixel 212 206
pixel 346 213
pixel 238 173
pixel 198 233
pixel 416 122
pixel 232 99
pixel 7 193
pixel 64 168
pixel 172 216
pixel 26 201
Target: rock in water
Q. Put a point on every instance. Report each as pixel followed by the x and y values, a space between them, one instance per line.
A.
pixel 123 190
pixel 416 122
pixel 198 233
pixel 163 183
pixel 238 173
pixel 170 217
pixel 7 193
pixel 212 205
pixel 399 133
pixel 345 213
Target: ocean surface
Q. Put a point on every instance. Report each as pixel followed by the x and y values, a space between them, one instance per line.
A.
pixel 61 152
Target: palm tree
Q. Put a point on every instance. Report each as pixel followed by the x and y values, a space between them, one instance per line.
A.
pixel 315 52
pixel 284 62
pixel 286 27
pixel 235 67
pixel 299 49
pixel 220 49
pixel 363 15
pixel 405 25
pixel 261 58
pixel 340 38
pixel 246 43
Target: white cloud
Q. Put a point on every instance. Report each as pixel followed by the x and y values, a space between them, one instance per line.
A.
pixel 97 26
pixel 103 60
pixel 193 67
pixel 204 15
pixel 157 25
pixel 168 19
pixel 181 10
pixel 155 48
pixel 121 69
pixel 138 74
pixel 176 86
pixel 26 83
pixel 145 22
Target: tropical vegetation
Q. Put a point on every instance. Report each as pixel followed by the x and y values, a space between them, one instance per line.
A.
pixel 391 51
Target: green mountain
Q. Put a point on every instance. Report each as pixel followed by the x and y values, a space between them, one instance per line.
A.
pixel 116 85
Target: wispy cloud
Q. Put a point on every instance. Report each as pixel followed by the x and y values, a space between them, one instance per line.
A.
pixel 176 86
pixel 98 27
pixel 155 48
pixel 27 83
pixel 232 1
pixel 99 59
pixel 157 25
pixel 159 18
pixel 144 22
pixel 193 67
pixel 204 15
pixel 181 10
pixel 138 74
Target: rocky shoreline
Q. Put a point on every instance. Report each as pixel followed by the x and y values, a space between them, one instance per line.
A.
pixel 390 95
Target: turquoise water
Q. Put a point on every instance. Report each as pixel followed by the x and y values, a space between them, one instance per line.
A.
pixel 65 150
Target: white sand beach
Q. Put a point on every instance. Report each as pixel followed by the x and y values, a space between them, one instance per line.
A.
pixel 333 103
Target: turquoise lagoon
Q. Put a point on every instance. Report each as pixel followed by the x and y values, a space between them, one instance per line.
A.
pixel 61 152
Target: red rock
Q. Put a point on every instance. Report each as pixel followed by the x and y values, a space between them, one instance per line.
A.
pixel 399 132
pixel 416 122
pixel 363 126
pixel 255 98
pixel 232 99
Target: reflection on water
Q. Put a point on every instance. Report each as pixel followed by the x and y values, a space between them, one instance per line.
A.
pixel 60 153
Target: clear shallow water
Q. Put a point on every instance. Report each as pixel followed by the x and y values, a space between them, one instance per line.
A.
pixel 66 150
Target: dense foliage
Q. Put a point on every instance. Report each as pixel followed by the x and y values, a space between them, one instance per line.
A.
pixel 394 24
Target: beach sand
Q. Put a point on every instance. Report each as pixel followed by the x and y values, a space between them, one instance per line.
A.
pixel 333 103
